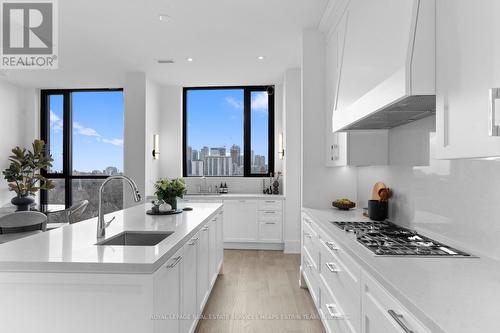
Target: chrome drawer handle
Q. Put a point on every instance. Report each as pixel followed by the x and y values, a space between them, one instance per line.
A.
pixel 334 312
pixel 308 221
pixel 270 222
pixel 397 317
pixel 270 212
pixel 331 266
pixel 269 201
pixel 176 261
pixel 194 241
pixel 204 229
pixel 308 235
pixel 493 128
pixel 332 246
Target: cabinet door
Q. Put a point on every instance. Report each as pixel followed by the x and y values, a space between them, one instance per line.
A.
pixel 189 297
pixel 212 251
pixel 240 221
pixel 202 272
pixel 220 239
pixel 167 286
pixel 467 67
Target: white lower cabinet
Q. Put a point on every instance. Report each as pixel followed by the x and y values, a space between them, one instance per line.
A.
pixel 167 295
pixel 189 298
pixel 347 298
pixel 183 284
pixel 240 218
pixel 383 313
pixel 203 268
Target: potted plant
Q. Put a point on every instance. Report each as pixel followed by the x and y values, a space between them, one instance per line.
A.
pixel 23 173
pixel 168 190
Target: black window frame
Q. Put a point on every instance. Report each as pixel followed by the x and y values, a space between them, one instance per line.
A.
pixel 66 175
pixel 247 117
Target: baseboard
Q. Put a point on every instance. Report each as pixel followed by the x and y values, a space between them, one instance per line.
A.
pixel 292 246
pixel 253 246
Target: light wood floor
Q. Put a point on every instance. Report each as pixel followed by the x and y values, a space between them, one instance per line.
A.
pixel 257 290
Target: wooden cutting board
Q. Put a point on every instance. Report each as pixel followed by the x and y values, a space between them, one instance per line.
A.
pixel 376 188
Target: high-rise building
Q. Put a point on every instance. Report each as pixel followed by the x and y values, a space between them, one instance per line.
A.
pixel 195 155
pixel 236 155
pixel 197 168
pixel 189 154
pixel 111 170
pixel 204 152
pixel 218 166
pixel 218 151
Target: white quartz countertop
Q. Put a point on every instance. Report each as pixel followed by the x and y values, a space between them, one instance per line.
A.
pixel 72 248
pixel 236 196
pixel 452 295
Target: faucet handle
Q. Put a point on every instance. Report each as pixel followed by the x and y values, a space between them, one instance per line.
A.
pixel 106 224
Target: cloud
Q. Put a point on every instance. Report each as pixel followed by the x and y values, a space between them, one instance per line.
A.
pixel 260 101
pixel 234 103
pixel 114 142
pixel 87 131
pixel 56 123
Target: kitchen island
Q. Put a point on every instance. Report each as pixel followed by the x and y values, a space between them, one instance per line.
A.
pixel 61 281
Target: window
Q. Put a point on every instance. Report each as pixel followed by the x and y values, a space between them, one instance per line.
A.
pixel 228 131
pixel 83 130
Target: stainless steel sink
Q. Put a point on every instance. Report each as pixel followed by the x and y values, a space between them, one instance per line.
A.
pixel 136 238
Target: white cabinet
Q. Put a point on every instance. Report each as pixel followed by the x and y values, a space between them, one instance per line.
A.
pixel 167 297
pixel 240 221
pixel 270 220
pixel 212 251
pixel 189 284
pixel 220 239
pixel 467 67
pixel 358 148
pixel 203 268
pixel 382 313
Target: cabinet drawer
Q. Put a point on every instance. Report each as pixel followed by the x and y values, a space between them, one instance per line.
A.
pixel 310 242
pixel 270 231
pixel 269 215
pixel 311 276
pixel 271 205
pixel 332 314
pixel 343 282
pixel 383 313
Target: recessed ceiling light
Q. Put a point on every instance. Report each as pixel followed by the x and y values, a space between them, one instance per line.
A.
pixel 189 59
pixel 166 61
pixel 163 17
pixel 260 57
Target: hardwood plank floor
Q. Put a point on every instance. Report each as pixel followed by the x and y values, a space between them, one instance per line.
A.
pixel 259 292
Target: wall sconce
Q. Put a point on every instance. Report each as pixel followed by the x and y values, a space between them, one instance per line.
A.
pixel 281 148
pixel 156 147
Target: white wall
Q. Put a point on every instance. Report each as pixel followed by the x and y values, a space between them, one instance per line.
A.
pixel 320 185
pixel 19 127
pixel 292 165
pixel 135 133
pixel 153 110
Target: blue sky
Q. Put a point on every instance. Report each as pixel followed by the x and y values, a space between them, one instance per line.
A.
pixel 215 119
pixel 97 130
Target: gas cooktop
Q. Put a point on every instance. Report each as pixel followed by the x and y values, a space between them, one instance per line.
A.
pixel 388 239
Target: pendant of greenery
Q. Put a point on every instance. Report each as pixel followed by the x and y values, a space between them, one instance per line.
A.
pixel 168 190
pixel 23 173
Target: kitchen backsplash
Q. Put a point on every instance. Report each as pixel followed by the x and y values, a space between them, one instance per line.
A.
pixel 455 199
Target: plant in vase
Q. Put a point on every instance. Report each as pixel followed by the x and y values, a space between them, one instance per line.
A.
pixel 168 190
pixel 23 173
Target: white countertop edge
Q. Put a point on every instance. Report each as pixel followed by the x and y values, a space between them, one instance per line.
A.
pixel 230 196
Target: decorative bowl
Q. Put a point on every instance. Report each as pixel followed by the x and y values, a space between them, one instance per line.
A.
pixel 343 205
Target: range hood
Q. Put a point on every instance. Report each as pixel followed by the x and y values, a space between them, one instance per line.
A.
pixel 408 94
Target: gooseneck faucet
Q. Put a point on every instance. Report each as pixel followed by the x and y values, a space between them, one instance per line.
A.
pixel 101 224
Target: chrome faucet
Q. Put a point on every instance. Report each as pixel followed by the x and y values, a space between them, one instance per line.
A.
pixel 101 224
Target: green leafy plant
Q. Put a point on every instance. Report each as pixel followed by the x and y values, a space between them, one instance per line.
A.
pixel 23 173
pixel 167 189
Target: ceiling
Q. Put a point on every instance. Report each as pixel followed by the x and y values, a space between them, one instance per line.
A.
pixel 102 40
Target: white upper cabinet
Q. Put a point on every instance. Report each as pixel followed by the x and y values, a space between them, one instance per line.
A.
pixel 384 62
pixel 468 73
